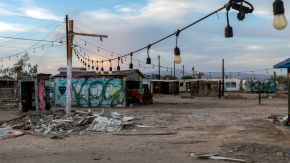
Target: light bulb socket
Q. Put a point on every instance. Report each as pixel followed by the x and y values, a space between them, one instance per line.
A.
pixel 229 31
pixel 131 66
pixel 278 7
pixel 241 15
pixel 102 69
pixel 118 68
pixel 176 51
pixel 97 68
pixel 111 69
pixel 148 61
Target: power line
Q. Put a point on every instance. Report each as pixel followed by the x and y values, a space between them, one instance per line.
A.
pixel 25 39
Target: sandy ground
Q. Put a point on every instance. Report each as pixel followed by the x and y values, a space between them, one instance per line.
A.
pixel 236 128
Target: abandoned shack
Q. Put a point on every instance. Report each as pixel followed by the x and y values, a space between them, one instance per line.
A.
pixel 92 89
pixel 34 94
pixel 8 87
pixel 163 86
pixel 205 88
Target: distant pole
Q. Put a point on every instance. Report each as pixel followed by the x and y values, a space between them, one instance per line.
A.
pixel 223 77
pixel 183 70
pixel 174 68
pixel 159 67
pixel 288 76
pixel 69 34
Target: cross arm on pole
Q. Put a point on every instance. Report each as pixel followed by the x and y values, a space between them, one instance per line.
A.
pixel 91 35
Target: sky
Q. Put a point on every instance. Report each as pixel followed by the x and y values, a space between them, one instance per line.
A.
pixel 131 24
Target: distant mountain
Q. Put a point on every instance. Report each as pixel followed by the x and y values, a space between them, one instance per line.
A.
pixel 215 75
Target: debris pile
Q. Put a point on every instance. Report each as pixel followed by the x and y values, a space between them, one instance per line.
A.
pixel 78 122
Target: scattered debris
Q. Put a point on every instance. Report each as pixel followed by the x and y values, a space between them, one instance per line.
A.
pixel 278 119
pixel 216 157
pixel 96 157
pixel 145 134
pixel 58 136
pixel 57 124
pixel 144 126
pixel 8 132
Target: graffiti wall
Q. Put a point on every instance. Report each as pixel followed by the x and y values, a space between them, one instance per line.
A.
pixel 92 92
pixel 266 86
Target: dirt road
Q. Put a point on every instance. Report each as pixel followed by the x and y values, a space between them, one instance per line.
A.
pixel 236 128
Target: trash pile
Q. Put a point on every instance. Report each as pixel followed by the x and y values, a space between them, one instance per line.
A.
pixel 78 122
pixel 278 119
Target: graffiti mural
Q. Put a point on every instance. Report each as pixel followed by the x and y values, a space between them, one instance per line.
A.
pixel 92 92
pixel 266 86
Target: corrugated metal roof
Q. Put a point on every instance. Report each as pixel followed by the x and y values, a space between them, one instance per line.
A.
pixel 283 64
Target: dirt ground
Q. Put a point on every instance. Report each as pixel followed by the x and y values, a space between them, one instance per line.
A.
pixel 236 128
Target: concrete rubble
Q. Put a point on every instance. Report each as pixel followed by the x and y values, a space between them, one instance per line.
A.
pixel 78 122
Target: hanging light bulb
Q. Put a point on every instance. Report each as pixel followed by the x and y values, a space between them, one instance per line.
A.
pixel 228 29
pixel 111 69
pixel 102 69
pixel 148 61
pixel 97 68
pixel 177 58
pixel 280 21
pixel 93 67
pixel 89 63
pixel 118 67
pixel 131 64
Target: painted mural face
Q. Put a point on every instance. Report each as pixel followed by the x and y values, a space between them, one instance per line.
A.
pixel 92 92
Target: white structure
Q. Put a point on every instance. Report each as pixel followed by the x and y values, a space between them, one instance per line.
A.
pixel 232 85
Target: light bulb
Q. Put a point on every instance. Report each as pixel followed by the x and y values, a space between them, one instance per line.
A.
pixel 280 21
pixel 177 59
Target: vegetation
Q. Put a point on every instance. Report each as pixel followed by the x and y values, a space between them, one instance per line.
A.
pixel 22 68
pixel 187 77
pixel 281 79
pixel 169 77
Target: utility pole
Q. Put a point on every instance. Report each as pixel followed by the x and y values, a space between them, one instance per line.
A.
pixel 223 77
pixel 159 67
pixel 183 71
pixel 69 40
pixel 69 30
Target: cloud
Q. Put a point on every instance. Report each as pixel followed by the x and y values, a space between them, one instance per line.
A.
pixel 27 8
pixel 9 27
pixel 41 13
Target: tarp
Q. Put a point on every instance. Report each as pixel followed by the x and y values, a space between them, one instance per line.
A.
pixel 8 132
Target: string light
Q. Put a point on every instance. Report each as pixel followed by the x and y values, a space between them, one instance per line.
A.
pixel 177 58
pixel 97 68
pixel 131 63
pixel 102 69
pixel 148 61
pixel 118 67
pixel 111 69
pixel 280 21
pixel 228 29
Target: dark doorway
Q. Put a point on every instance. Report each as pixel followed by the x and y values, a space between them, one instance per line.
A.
pixel 28 95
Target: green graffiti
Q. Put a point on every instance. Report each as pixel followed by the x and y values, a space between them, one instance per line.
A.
pixel 93 92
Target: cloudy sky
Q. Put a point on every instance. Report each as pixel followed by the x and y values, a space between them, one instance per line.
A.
pixel 132 24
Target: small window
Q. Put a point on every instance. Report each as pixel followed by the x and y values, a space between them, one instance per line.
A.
pixel 228 85
pixel 233 84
